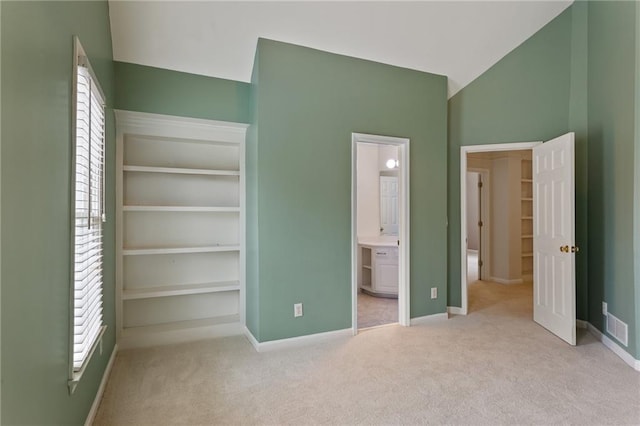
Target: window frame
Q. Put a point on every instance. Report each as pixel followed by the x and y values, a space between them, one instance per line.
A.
pixel 80 59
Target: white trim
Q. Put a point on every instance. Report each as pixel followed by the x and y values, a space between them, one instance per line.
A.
pixel 404 235
pixel 169 126
pixel 103 384
pixel 464 150
pixel 506 281
pixel 614 347
pixel 429 319
pixel 454 310
pixel 295 342
pixel 249 335
pixel 242 307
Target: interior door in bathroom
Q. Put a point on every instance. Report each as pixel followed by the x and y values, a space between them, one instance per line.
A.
pixel 388 205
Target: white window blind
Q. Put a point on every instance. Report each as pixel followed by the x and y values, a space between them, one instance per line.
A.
pixel 89 215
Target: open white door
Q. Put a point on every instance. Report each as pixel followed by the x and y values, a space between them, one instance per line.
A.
pixel 554 265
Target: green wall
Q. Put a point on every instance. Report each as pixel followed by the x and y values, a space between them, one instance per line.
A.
pixel 251 182
pixel 37 55
pixel 636 245
pixel 612 119
pixel 535 93
pixel 148 89
pixel 308 103
pixel 579 73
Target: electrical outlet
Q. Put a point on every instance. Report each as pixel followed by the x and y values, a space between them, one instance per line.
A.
pixel 605 310
pixel 434 292
pixel 297 310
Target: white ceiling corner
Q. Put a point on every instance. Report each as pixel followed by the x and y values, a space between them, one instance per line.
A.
pixel 459 39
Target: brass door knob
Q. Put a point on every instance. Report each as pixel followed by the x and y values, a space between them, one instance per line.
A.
pixel 567 249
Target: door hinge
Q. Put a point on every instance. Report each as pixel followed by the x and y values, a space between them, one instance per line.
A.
pixel 479 184
pixel 480 224
pixel 480 263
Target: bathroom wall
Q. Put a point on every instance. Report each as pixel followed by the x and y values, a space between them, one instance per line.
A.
pixel 372 163
pixel 368 190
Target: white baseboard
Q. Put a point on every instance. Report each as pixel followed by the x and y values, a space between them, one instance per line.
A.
pixel 429 319
pixel 103 384
pixel 455 310
pixel 505 281
pixel 294 342
pixel 249 335
pixel 614 347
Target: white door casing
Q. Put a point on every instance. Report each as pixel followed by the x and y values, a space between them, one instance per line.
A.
pixel 464 150
pixel 404 233
pixel 554 289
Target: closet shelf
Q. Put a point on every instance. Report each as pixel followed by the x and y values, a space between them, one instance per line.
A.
pixel 180 290
pixel 526 180
pixel 131 208
pixel 180 250
pixel 527 254
pixel 527 236
pixel 180 325
pixel 180 170
pixel 526 199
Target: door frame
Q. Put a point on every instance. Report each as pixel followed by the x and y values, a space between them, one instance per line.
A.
pixel 464 150
pixel 403 228
pixel 484 250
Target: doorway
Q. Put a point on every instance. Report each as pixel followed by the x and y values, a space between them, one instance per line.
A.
pixel 380 239
pixel 501 273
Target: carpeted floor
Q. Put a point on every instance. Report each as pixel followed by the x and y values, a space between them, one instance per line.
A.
pixel 493 366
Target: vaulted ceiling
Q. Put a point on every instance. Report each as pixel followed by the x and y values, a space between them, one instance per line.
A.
pixel 459 39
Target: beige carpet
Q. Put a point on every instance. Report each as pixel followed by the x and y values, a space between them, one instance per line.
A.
pixel 494 366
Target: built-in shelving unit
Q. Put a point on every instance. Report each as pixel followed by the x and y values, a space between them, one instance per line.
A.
pixel 526 228
pixel 180 229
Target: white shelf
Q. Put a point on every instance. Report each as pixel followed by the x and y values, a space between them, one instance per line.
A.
pixel 179 229
pixel 180 325
pixel 179 250
pixel 366 266
pixel 181 209
pixel 180 170
pixel 180 290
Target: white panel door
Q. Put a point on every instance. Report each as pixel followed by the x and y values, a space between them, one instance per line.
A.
pixel 554 287
pixel 389 205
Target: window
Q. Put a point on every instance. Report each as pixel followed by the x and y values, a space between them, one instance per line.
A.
pixel 88 213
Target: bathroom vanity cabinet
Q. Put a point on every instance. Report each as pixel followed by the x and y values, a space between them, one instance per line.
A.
pixel 379 268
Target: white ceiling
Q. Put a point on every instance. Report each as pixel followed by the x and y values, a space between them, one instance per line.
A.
pixel 459 39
